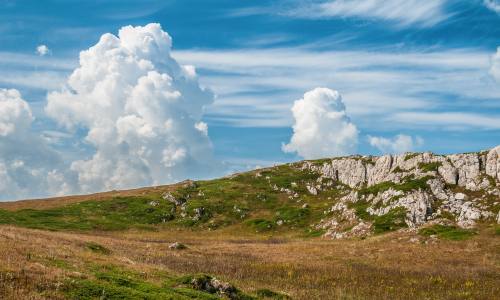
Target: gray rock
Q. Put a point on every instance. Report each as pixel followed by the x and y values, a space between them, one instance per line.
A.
pixel 475 172
pixel 492 167
pixel 177 246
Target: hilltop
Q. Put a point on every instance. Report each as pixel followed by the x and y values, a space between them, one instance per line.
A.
pixel 338 197
pixel 412 203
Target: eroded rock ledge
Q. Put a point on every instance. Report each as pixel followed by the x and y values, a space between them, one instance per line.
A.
pixel 422 187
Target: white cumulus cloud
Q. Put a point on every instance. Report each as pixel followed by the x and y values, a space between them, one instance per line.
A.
pixel 322 127
pixel 141 109
pixel 28 167
pixel 15 113
pixel 494 5
pixel 42 50
pixel 399 144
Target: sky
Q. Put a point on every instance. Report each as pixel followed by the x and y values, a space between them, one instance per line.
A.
pixel 100 95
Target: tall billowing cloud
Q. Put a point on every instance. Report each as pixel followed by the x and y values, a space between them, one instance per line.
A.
pixel 28 168
pixel 399 144
pixel 141 110
pixel 322 127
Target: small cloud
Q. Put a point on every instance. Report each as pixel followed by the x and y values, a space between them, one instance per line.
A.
pixel 42 50
pixel 399 144
pixel 493 5
pixel 322 127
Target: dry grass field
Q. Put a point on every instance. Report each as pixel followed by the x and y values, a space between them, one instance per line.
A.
pixel 38 264
pixel 115 245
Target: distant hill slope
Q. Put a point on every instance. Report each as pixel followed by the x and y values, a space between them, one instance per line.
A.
pixel 355 196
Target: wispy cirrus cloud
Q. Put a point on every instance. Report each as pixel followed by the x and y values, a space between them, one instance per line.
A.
pixel 34 71
pixel 401 13
pixel 448 120
pixel 256 87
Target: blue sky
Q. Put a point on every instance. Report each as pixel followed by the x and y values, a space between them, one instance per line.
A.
pixel 410 68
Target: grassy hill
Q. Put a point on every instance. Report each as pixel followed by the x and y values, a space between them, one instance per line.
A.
pixel 258 230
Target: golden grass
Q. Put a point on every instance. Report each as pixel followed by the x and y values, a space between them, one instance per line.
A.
pixel 34 263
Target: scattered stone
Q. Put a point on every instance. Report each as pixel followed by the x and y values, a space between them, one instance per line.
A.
pixel 199 212
pixel 214 286
pixel 170 198
pixel 312 190
pixel 177 246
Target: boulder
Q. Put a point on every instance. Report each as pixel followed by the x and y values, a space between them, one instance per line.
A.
pixel 492 165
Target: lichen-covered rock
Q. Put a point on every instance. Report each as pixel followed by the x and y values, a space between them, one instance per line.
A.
pixel 362 229
pixel 448 172
pixel 492 166
pixel 349 171
pixel 468 168
pixel 170 198
pixel 312 189
pixel 214 286
pixel 460 188
pixel 438 189
pixel 380 170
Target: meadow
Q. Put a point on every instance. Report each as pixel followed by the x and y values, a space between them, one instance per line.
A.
pixel 242 230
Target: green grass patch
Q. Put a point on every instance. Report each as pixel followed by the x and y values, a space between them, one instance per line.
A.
pixel 497 229
pixel 260 225
pixel 292 215
pixel 360 209
pixel 411 155
pixel 430 167
pixel 393 220
pixel 397 170
pixel 113 282
pixel 117 287
pixel 409 184
pixel 118 213
pixel 320 162
pixel 448 232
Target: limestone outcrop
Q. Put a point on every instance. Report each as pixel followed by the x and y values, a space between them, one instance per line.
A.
pixel 461 188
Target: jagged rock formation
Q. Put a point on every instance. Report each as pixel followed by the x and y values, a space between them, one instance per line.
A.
pixel 462 188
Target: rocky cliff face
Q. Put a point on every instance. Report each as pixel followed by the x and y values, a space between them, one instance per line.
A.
pixel 463 189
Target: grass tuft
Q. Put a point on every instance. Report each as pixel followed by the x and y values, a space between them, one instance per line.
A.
pixel 448 232
pixel 393 220
pixel 430 167
pixel 97 248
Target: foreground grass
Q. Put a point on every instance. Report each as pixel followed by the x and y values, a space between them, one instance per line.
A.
pixel 55 265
